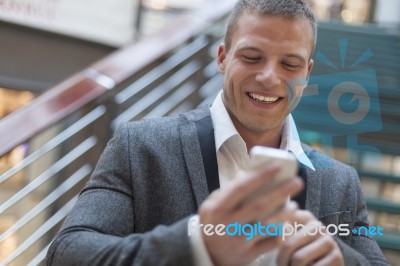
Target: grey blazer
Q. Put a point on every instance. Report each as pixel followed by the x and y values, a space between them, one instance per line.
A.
pixel 150 179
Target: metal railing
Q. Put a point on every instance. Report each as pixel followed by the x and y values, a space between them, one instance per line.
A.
pixel 62 133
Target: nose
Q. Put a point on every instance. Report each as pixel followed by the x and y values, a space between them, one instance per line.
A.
pixel 268 76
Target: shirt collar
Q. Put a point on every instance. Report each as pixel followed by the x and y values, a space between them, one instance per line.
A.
pixel 222 122
pixel 224 130
pixel 290 141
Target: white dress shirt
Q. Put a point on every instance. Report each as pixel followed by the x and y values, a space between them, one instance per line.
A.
pixel 232 157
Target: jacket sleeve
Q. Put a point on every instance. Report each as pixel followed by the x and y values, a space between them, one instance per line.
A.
pixel 364 249
pixel 100 229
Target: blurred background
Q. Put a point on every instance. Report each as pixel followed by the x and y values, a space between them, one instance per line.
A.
pixel 70 71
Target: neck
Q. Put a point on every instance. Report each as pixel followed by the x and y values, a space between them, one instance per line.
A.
pixel 270 138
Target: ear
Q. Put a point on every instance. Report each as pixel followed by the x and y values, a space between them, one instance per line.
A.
pixel 221 58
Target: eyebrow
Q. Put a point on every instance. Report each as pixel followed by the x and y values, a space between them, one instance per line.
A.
pixel 249 48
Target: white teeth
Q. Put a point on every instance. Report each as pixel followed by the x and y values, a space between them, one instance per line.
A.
pixel 264 99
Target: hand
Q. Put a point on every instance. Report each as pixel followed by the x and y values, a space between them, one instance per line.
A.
pixel 305 249
pixel 226 206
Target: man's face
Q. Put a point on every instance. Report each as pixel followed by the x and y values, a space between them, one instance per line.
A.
pixel 266 54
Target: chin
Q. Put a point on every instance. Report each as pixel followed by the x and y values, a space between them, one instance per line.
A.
pixel 261 127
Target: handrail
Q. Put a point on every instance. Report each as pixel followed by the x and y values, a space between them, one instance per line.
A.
pixel 47 109
pixel 122 63
pixel 87 85
pixel 65 129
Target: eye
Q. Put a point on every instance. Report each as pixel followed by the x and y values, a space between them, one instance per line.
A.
pixel 290 66
pixel 251 59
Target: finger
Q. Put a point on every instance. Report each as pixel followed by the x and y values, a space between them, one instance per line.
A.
pixel 246 183
pixel 270 228
pixel 265 245
pixel 293 243
pixel 305 217
pixel 218 206
pixel 264 206
pixel 283 215
pixel 254 249
pixel 211 209
pixel 334 258
pixel 252 233
pixel 312 252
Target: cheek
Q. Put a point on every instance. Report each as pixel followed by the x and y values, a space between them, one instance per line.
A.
pixel 230 82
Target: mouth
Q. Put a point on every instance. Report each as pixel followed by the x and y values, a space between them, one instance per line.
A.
pixel 263 99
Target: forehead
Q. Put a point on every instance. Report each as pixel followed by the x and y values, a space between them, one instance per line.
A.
pixel 270 31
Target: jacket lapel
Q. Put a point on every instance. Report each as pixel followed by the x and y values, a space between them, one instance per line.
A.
pixel 301 197
pixel 205 132
pixel 197 145
pixel 314 184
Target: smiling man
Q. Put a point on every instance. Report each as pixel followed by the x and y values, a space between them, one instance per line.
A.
pixel 160 181
pixel 261 54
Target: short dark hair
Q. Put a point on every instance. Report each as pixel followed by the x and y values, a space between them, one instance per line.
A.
pixel 285 8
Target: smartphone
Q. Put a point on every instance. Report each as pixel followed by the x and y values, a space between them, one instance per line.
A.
pixel 260 156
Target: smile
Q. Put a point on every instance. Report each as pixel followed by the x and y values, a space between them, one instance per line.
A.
pixel 263 99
